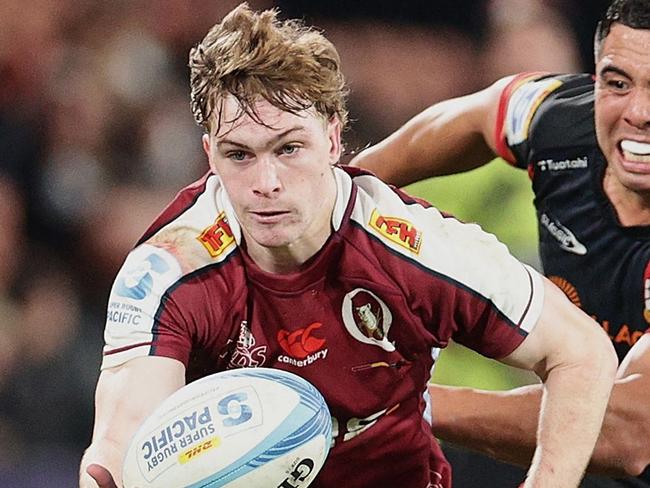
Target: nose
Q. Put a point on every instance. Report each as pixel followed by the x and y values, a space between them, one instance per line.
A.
pixel 637 111
pixel 266 180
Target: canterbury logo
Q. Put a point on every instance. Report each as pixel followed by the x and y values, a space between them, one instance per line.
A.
pixel 218 237
pixel 564 236
pixel 398 230
pixel 299 344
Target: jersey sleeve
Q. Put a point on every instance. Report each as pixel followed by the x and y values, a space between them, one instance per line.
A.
pixel 519 102
pixel 460 282
pixel 141 320
pixel 489 301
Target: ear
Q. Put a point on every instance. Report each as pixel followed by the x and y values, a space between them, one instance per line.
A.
pixel 334 136
pixel 206 148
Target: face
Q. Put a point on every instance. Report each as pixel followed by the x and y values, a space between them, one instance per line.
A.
pixel 279 178
pixel 622 106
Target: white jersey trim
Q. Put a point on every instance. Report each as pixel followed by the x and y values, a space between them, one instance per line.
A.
pixel 463 253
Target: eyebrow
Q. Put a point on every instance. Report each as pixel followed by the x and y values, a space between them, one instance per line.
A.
pixel 271 142
pixel 613 69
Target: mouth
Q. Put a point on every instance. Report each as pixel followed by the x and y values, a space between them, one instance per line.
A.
pixel 269 216
pixel 635 151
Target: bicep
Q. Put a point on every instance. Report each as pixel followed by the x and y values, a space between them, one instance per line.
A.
pixel 563 332
pixel 457 134
pixel 449 137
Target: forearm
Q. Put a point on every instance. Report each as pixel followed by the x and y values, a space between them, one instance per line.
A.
pixel 501 424
pixel 571 414
pixel 623 443
pixel 622 448
pixel 125 396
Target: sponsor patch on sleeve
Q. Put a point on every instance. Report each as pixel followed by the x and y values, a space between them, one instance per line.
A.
pixel 217 237
pixel 524 101
pixel 399 231
pixel 135 297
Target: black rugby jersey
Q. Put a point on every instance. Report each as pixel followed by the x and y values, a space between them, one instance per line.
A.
pixel 546 125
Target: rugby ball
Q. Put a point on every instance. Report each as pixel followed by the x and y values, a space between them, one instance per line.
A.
pixel 243 428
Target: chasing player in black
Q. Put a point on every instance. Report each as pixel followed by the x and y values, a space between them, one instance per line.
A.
pixel 585 141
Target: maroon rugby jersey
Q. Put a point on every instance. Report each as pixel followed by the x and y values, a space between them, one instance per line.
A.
pixel 363 320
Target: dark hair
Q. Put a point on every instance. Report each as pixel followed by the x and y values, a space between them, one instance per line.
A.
pixel 250 55
pixel 631 13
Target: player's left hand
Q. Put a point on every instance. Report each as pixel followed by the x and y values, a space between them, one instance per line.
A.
pixel 101 475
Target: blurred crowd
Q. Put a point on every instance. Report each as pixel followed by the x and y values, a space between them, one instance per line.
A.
pixel 96 136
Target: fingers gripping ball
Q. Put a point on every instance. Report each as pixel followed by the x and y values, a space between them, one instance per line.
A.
pixel 243 428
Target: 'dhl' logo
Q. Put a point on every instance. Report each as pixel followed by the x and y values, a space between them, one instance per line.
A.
pixel 299 344
pixel 398 230
pixel 217 237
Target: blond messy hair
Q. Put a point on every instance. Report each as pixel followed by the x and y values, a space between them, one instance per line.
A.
pixel 250 55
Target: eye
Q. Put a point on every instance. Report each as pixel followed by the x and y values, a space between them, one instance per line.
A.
pixel 618 85
pixel 289 149
pixel 237 156
pixel 615 83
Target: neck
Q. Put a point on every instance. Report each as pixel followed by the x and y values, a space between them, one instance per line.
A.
pixel 286 259
pixel 632 207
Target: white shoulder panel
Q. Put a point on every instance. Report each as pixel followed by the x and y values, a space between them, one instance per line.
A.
pixel 199 237
pixel 461 252
pixel 135 298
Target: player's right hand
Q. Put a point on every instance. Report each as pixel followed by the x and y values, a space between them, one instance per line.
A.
pixel 101 475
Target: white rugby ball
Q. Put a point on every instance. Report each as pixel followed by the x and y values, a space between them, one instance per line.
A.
pixel 243 428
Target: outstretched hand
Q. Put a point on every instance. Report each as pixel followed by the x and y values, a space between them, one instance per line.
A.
pixel 101 475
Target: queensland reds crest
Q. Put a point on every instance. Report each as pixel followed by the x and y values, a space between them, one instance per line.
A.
pixel 367 318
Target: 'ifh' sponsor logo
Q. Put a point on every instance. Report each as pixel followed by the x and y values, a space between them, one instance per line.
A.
pixel 218 237
pixel 398 230
pixel 646 293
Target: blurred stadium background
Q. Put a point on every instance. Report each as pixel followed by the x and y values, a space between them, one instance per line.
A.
pixel 96 136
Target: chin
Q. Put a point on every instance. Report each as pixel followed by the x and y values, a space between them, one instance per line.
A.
pixel 640 188
pixel 632 176
pixel 637 183
pixel 271 241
